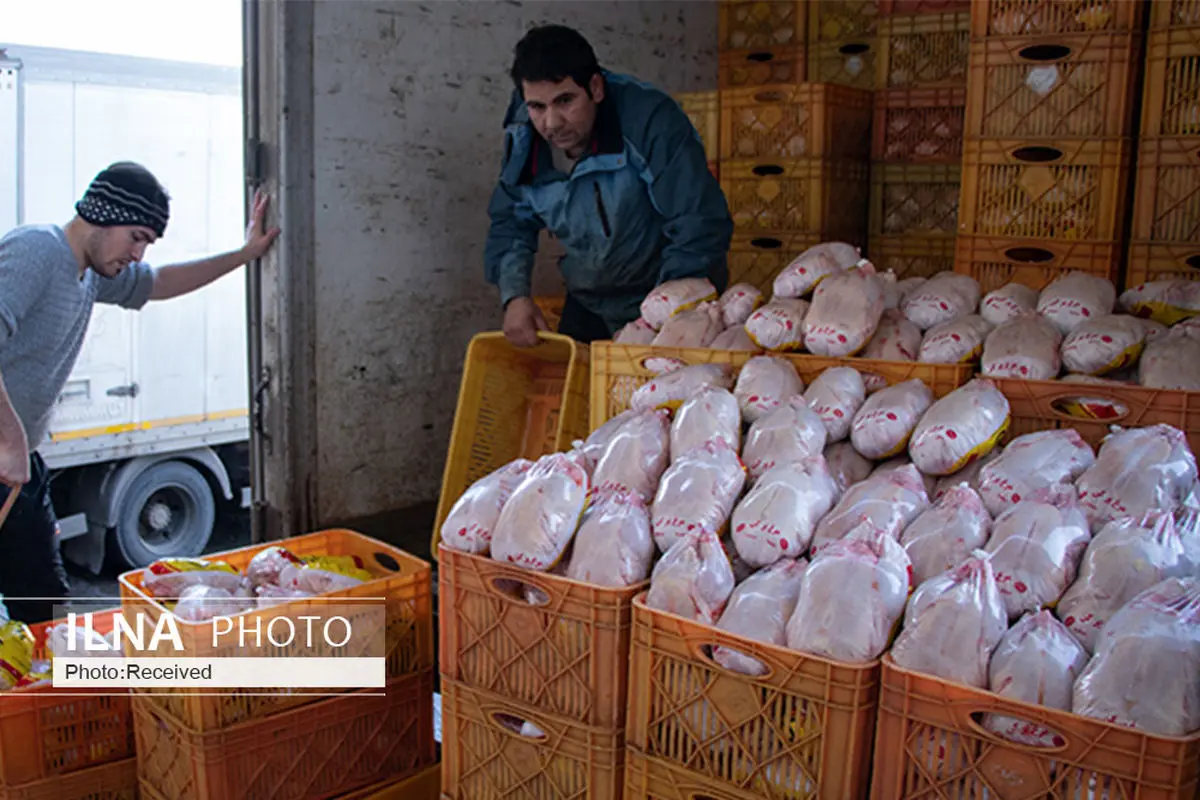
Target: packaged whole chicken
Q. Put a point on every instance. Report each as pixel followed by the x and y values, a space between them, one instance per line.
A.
pixel 959 341
pixel 697 492
pixel 636 456
pixel 614 546
pixel 638 332
pixel 542 514
pixel 265 566
pixel 845 312
pixel 670 389
pixel 1008 302
pixel 906 287
pixel 1075 298
pixel 791 432
pixel 896 339
pixel 1036 662
pixel 1127 556
pixel 711 413
pixel 1137 470
pixel 1151 330
pixel 954 622
pixel 943 298
pixel 812 266
pixel 741 570
pixel 899 463
pixel 693 579
pixel 884 423
pixel 81 641
pixel 779 325
pixel 694 327
pixel 738 303
pixel 777 517
pixel 468 526
pixel 846 465
pixel 16 653
pixel 835 396
pixel 945 534
pixel 735 339
pixel 851 598
pixel 320 574
pixel 1146 670
pixel 1033 461
pixel 1100 346
pixel 168 577
pixel 661 365
pixel 671 297
pixel 959 428
pixel 759 609
pixel 1172 362
pixel 200 603
pixel 1036 546
pixel 597 441
pixel 968 475
pixel 1187 525
pixel 1025 347
pixel 888 502
pixel 764 384
pixel 1166 302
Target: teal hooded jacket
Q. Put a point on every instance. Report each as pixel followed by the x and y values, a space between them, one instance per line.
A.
pixel 640 207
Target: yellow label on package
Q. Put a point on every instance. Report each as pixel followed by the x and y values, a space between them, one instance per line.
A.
pixel 16 652
pixel 1162 312
pixel 1128 356
pixel 166 566
pixel 982 449
pixel 350 566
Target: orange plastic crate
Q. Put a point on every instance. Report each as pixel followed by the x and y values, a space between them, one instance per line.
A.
pixel 929 743
pixel 847 63
pixel 919 126
pixel 912 256
pixel 904 7
pixel 741 68
pixel 1167 198
pixel 403 581
pixel 1068 190
pixel 567 656
pixel 484 756
pixel 995 261
pixel 1171 98
pixel 1049 17
pixel 761 24
pixel 47 731
pixel 654 779
pixel 1156 262
pixel 836 20
pixel 551 308
pixel 802 195
pixel 704 110
pixel 1174 14
pixel 914 199
pixel 795 121
pixel 757 259
pixel 116 780
pixel 1069 87
pixel 803 730
pixel 425 785
pixel 924 50
pixel 325 749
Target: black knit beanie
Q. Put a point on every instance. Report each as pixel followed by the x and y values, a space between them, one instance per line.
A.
pixel 126 194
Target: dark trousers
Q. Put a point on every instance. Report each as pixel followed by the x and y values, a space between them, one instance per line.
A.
pixel 30 562
pixel 582 325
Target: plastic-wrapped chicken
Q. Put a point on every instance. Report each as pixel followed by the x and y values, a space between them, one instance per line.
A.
pixel 1074 299
pixel 779 325
pixel 468 526
pixel 542 514
pixel 1033 461
pixel 1137 470
pixel 1171 362
pixel 946 534
pixel 836 395
pixel 1100 346
pixel 1125 558
pixel 597 441
pixel 697 492
pixel 738 303
pixel 906 287
pixel 661 365
pixel 968 475
pixel 741 570
pixel 614 546
pixel 1146 671
pixel 320 574
pixel 776 518
pixel 953 623
pixel 759 609
pixel 637 455
pixel 1167 302
pixel 198 603
pixel 693 579
pixel 1008 302
pixel 896 339
pixel 814 265
pixel 889 502
pixel 1037 662
pixel 168 577
pixel 899 463
pixel 1191 324
pixel 1025 347
pixel 694 327
pixel 79 641
pixel 16 654
pixel 846 465
pixel 671 297
pixel 845 312
pixel 268 596
pixel 1187 525
pixel 852 597
pixel 791 432
pixel 638 332
pixel 943 298
pixel 735 339
pixel 764 384
pixel 883 424
pixel 670 389
pixel 959 341
pixel 710 413
pixel 959 428
pixel 265 566
pixel 1036 546
pixel 1152 331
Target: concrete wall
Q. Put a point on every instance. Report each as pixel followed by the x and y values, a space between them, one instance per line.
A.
pixel 408 99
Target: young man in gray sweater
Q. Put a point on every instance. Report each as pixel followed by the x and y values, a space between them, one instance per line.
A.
pixel 50 277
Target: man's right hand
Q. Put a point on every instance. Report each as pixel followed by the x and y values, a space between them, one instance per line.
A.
pixel 522 321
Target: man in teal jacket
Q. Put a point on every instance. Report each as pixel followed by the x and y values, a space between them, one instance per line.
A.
pixel 616 171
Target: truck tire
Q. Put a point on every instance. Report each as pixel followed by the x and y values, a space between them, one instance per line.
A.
pixel 168 511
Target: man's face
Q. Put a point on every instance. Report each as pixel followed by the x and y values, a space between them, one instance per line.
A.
pixel 112 249
pixel 563 113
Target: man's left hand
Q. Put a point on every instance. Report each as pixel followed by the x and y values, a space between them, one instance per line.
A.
pixel 258 238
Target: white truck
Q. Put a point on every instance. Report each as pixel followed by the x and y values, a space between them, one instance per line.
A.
pixel 153 423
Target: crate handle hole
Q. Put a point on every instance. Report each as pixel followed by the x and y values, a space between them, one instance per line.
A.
pixel 1056 742
pixel 704 652
pixel 1037 154
pixel 854 49
pixel 1029 255
pixel 769 97
pixel 1193 261
pixel 1044 52
pixel 762 170
pixel 387 562
pixel 760 58
pixel 1094 407
pixel 516 725
pixel 521 592
pixel 766 243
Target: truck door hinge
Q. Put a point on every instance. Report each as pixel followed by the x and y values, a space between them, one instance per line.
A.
pixel 260 392
pixel 256 162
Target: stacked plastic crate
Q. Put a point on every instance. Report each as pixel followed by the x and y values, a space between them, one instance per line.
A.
pixel 1051 99
pixel 917 135
pixel 1165 235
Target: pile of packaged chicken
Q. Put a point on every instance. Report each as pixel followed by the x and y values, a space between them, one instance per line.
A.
pixel 1069 327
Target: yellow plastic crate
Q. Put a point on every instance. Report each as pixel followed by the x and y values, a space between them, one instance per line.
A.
pixel 425 785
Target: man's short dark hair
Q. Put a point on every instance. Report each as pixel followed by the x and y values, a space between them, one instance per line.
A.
pixel 553 53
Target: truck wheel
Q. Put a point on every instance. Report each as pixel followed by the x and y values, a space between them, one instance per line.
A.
pixel 168 511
